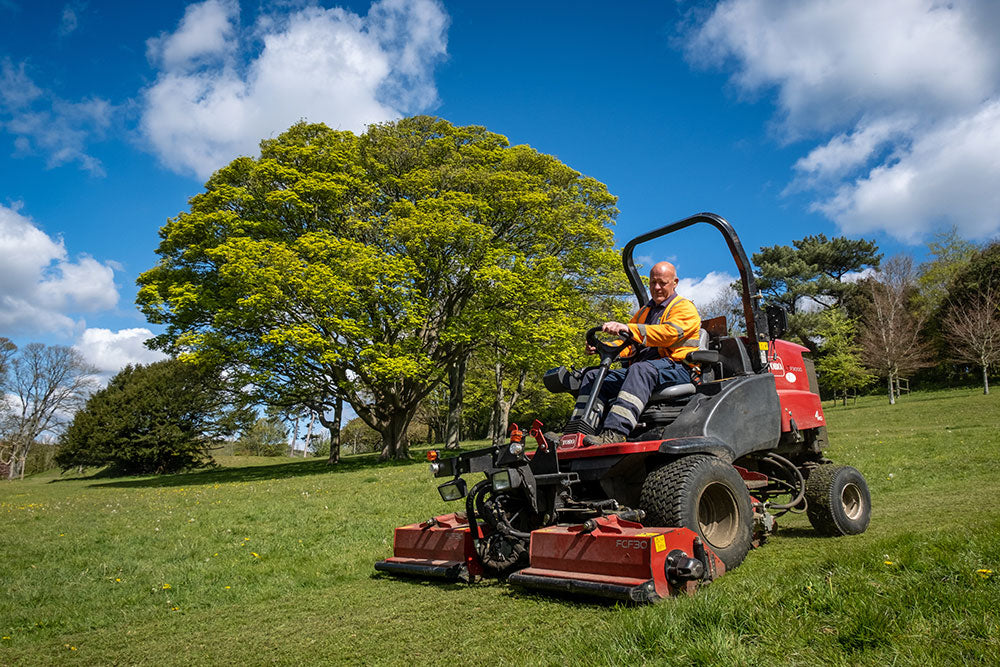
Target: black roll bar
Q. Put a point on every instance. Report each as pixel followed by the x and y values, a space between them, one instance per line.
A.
pixel 756 320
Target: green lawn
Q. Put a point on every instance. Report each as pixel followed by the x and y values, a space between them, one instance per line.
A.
pixel 271 561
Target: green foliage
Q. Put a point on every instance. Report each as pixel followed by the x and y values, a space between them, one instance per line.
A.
pixel 812 270
pixel 159 418
pixel 981 273
pixel 951 255
pixel 363 266
pixel 109 549
pixel 839 368
pixel 266 437
pixel 357 437
pixel 320 446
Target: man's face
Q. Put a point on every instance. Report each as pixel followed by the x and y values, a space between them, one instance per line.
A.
pixel 662 281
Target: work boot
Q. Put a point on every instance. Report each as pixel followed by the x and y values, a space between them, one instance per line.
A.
pixel 605 437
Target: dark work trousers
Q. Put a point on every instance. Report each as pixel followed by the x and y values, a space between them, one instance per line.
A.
pixel 627 390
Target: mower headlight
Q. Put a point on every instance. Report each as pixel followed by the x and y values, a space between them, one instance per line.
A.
pixel 516 448
pixel 453 490
pixel 501 480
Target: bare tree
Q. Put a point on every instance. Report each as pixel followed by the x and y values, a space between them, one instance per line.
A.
pixel 890 340
pixel 974 332
pixel 47 384
pixel 7 350
pixel 727 303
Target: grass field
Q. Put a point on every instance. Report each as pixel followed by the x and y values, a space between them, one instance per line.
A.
pixel 270 561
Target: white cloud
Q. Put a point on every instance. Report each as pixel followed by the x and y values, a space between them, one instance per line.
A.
pixel 41 288
pixel 110 351
pixel 68 23
pixel 205 32
pixel 703 291
pixel 44 123
pixel 325 65
pixel 848 151
pixel 902 91
pixel 948 176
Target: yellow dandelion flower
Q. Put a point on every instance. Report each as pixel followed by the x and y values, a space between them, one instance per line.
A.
pixel 166 586
pixel 118 580
pixel 255 554
pixel 228 587
pixel 985 574
pixel 889 562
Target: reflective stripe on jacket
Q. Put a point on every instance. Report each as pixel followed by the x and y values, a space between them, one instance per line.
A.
pixel 677 332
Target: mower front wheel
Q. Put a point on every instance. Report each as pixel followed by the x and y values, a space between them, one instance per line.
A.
pixel 839 501
pixel 707 495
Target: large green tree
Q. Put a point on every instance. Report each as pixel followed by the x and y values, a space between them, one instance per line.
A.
pixel 159 418
pixel 950 254
pixel 839 366
pixel 362 267
pixel 808 277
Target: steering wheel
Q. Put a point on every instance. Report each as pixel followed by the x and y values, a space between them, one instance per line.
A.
pixel 609 350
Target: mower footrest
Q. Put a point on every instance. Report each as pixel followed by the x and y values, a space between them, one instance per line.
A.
pixel 430 569
pixel 617 588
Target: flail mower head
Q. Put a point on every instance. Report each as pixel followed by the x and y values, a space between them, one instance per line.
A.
pixel 695 486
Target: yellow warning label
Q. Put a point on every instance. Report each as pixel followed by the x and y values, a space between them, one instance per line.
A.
pixel 763 345
pixel 660 543
pixel 647 534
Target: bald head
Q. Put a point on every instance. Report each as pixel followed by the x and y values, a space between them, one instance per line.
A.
pixel 662 281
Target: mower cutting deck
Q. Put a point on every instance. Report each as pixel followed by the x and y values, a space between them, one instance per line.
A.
pixel 701 479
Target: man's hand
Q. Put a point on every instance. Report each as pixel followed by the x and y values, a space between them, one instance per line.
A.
pixel 590 349
pixel 614 328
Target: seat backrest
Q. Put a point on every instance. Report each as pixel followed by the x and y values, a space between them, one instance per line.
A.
pixel 734 357
pixel 703 339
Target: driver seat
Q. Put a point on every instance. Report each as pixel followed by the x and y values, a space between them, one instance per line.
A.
pixel 673 391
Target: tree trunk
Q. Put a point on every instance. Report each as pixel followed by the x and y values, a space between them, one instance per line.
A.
pixel 309 434
pixel 393 430
pixel 492 427
pixel 986 380
pixel 334 428
pixel 18 457
pixel 502 407
pixel 892 392
pixel 456 394
pixel 500 414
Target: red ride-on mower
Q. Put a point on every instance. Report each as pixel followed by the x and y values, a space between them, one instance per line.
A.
pixel 699 481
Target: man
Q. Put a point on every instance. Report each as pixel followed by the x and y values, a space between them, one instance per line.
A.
pixel 669 326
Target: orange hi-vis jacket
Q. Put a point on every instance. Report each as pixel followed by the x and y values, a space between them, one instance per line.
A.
pixel 677 332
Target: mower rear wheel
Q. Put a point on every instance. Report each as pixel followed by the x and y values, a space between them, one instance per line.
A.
pixel 839 501
pixel 707 495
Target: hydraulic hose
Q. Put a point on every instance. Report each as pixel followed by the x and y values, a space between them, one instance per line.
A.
pixel 470 509
pixel 782 462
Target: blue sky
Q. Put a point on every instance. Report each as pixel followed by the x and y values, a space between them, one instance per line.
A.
pixel 868 118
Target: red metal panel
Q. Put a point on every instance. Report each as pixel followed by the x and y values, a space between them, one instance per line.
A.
pixel 444 539
pixel 579 451
pixel 792 382
pixel 616 552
